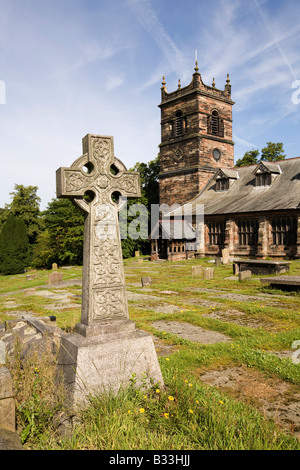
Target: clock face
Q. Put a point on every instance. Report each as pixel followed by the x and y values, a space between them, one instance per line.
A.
pixel 216 154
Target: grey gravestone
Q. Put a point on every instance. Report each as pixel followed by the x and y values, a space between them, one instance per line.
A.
pixel 146 281
pixel 225 256
pixel 197 271
pixel 245 275
pixel 208 273
pixel 106 349
pixel 55 277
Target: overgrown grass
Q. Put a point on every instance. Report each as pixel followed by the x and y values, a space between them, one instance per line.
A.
pixel 186 414
pixel 183 415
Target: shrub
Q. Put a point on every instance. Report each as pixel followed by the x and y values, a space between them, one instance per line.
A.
pixel 14 246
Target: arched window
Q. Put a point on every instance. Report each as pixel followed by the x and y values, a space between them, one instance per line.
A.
pixel 178 123
pixel 215 125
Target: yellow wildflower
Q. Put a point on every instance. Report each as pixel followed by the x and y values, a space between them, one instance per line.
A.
pixel 166 415
pixel 191 411
pixel 142 410
pixel 171 398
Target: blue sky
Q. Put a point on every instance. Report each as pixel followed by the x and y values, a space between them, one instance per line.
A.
pixel 73 67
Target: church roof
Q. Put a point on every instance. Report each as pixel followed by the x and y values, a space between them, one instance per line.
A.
pixel 244 196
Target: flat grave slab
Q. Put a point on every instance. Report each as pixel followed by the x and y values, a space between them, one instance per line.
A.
pixel 282 282
pixel 241 319
pixel 260 266
pixel 191 332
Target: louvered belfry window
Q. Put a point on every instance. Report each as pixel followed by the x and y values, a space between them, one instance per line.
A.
pixel 215 125
pixel 178 123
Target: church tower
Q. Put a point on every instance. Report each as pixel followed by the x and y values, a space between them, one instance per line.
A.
pixel 196 138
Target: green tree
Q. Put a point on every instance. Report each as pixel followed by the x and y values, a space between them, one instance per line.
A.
pixel 25 205
pixel 149 195
pixel 62 239
pixel 250 158
pixel 14 246
pixel 149 180
pixel 273 152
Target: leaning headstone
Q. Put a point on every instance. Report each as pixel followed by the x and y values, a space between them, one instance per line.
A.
pixel 106 350
pixel 55 277
pixel 197 271
pixel 208 273
pixel 136 253
pixel 146 281
pixel 54 267
pixel 225 256
pixel 245 275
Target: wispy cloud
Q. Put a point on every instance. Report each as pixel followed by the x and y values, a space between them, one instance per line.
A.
pixel 148 19
pixel 277 42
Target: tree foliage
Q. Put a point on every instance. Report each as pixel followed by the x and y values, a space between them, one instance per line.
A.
pixel 250 158
pixel 149 195
pixel 25 205
pixel 62 239
pixel 14 246
pixel 271 152
pixel 56 235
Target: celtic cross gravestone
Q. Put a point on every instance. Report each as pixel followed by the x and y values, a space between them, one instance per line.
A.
pixel 106 348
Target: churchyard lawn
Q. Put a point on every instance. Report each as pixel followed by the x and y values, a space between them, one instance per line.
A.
pixel 227 351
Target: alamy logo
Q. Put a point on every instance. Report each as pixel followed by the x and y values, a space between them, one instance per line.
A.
pixel 2 92
pixel 296 94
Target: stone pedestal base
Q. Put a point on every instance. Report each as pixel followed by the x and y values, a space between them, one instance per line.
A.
pixel 107 361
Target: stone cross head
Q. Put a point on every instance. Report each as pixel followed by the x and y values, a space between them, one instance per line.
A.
pixel 92 182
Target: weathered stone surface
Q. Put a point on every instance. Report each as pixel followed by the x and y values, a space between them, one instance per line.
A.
pixel 245 275
pixel 55 277
pixel 197 271
pixel 146 281
pixel 39 335
pixel 225 256
pixel 208 273
pixel 106 348
pixel 191 332
pixel 106 362
pixel 7 402
pixel 10 440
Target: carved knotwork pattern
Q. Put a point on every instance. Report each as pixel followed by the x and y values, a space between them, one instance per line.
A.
pixel 107 263
pixel 108 303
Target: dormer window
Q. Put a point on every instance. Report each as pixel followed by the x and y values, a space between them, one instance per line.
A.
pixel 225 177
pixel 262 179
pixel 265 173
pixel 222 184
